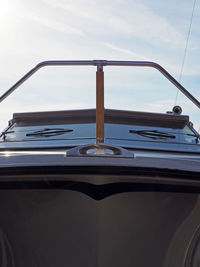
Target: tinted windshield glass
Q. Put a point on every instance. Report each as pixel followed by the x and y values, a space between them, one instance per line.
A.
pixel 68 228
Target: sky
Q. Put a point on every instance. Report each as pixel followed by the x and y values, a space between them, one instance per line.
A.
pixel 148 30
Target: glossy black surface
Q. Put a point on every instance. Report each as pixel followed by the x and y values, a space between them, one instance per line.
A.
pixel 66 228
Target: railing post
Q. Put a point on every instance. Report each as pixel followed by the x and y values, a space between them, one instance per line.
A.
pixel 99 105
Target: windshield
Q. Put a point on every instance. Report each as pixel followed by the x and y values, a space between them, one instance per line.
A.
pixel 60 227
pixel 73 87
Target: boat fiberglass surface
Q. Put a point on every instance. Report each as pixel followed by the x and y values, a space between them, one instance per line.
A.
pixel 100 187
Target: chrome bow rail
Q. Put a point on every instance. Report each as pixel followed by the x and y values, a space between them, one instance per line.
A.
pixel 100 83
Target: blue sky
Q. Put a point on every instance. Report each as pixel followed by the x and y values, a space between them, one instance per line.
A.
pixel 37 30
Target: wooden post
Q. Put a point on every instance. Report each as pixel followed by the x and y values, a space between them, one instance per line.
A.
pixel 99 105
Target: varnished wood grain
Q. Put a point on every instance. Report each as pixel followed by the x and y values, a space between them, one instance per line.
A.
pixel 99 106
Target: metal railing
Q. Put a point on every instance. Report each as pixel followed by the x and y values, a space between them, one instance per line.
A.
pixel 100 83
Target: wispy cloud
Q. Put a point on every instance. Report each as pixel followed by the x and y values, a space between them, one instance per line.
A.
pixel 125 17
pixel 58 26
pixel 125 51
pixel 172 68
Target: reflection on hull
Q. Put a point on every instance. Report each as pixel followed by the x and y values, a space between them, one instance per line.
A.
pixel 66 228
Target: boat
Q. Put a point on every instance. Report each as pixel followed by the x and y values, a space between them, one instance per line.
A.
pixel 100 187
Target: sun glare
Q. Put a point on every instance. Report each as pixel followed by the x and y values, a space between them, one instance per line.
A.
pixel 5 8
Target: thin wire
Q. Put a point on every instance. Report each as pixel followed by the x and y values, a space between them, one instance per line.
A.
pixel 185 50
